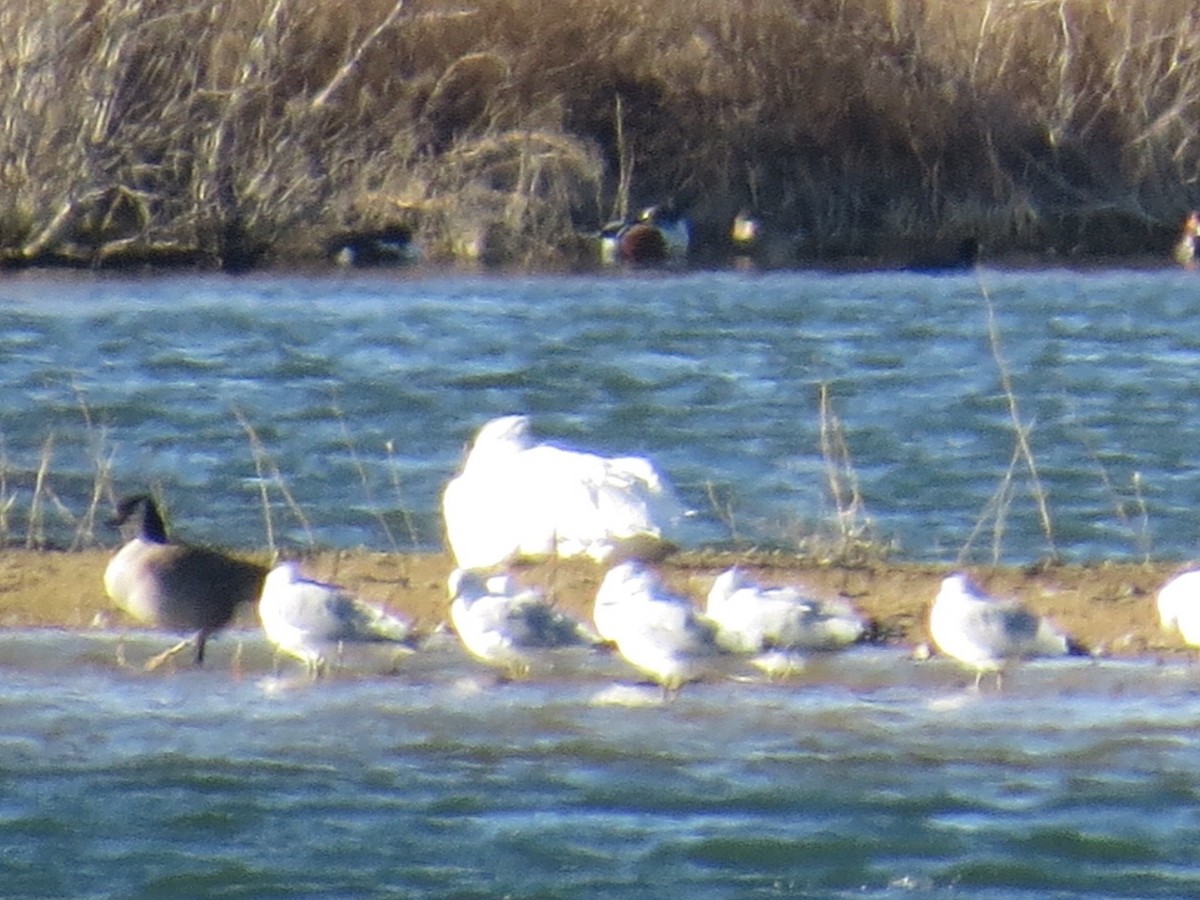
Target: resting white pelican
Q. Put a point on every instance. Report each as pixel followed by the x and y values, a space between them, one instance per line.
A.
pixel 519 499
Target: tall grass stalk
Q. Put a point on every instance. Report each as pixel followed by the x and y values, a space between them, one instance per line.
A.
pixel 102 482
pixel 855 538
pixel 368 493
pixel 1021 431
pixel 394 476
pixel 268 474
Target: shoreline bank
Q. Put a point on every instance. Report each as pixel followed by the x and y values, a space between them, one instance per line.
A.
pixel 1108 607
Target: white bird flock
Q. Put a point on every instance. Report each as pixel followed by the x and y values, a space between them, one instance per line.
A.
pixel 519 499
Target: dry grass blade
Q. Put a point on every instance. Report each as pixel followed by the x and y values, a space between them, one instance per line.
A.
pixel 268 474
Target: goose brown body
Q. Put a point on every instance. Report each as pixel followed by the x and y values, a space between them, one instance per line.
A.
pixel 173 586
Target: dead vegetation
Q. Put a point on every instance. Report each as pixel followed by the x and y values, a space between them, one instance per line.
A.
pixel 245 132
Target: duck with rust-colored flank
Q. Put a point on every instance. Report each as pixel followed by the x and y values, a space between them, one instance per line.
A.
pixel 172 586
pixel 660 235
pixel 1185 248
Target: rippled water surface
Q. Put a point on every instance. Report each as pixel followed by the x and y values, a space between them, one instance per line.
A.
pixel 868 775
pixel 361 392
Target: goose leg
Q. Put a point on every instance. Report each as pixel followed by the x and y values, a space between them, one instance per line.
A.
pixel 155 661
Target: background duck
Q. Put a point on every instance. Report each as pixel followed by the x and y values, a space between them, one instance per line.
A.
pixel 390 245
pixel 1184 251
pixel 1179 605
pixel 173 586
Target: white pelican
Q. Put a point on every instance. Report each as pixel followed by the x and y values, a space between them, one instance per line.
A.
pixel 312 620
pixel 657 632
pixel 172 586
pixel 985 633
pixel 1179 605
pixel 774 621
pixel 515 499
pixel 506 627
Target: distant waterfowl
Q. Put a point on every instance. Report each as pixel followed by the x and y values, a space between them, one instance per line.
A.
pixel 755 244
pixel 515 499
pixel 985 633
pixel 758 620
pixel 744 232
pixel 658 633
pixel 964 254
pixel 390 245
pixel 506 627
pixel 314 621
pixel 1185 248
pixel 172 586
pixel 1179 605
pixel 658 236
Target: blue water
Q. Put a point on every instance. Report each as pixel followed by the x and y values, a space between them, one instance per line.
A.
pixel 349 399
pixel 868 775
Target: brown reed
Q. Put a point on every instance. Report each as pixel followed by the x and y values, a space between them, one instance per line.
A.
pixel 241 132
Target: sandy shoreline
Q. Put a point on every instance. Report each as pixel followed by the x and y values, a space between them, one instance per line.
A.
pixel 1108 607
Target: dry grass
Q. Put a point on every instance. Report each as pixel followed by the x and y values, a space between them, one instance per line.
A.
pixel 244 131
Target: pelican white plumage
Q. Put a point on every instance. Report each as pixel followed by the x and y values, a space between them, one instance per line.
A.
pixel 1179 605
pixel 518 499
pixel 175 586
pixel 775 622
pixel 658 633
pixel 312 620
pixel 985 633
pixel 505 626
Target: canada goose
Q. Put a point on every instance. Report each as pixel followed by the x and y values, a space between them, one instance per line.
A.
pixel 506 627
pixel 515 498
pixel 772 622
pixel 658 633
pixel 985 633
pixel 1185 248
pixel 1179 605
pixel 311 619
pixel 174 586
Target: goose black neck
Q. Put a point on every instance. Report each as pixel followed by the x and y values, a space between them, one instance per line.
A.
pixel 153 528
